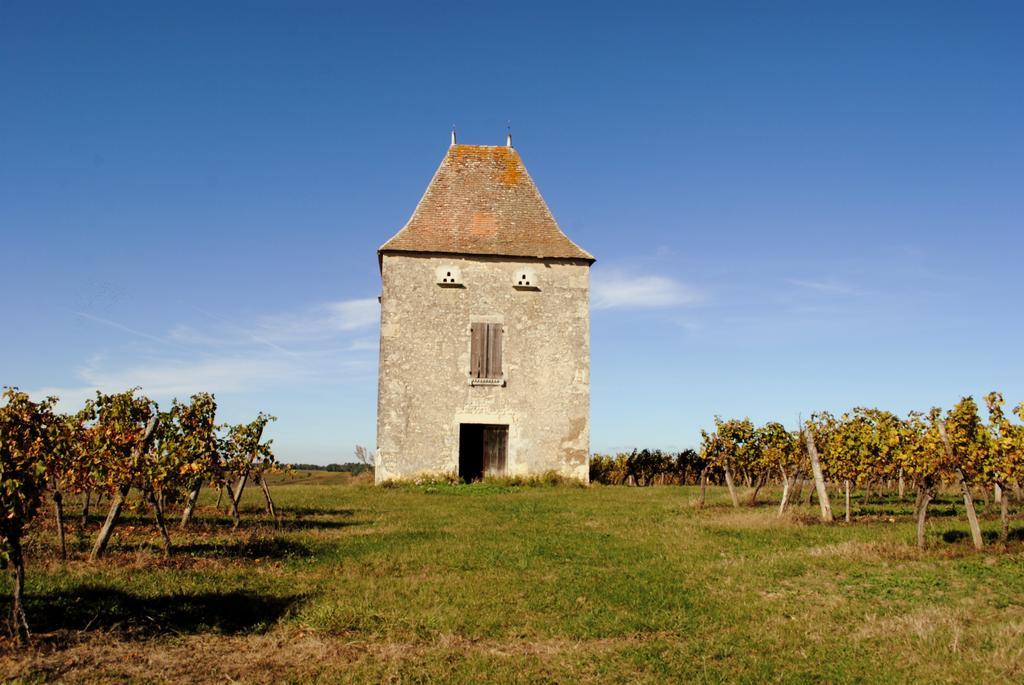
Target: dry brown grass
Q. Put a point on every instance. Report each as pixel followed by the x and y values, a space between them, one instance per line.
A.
pixel 873 551
pixel 286 655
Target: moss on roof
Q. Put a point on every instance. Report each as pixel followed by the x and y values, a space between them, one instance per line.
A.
pixel 482 201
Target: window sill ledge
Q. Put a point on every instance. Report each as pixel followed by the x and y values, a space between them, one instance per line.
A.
pixel 487 381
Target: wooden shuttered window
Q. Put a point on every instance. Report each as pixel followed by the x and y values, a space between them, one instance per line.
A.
pixel 485 351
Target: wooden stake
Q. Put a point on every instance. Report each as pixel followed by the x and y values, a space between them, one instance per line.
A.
pixel 732 488
pixel 819 479
pixel 972 515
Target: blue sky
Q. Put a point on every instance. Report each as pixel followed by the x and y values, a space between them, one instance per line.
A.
pixel 795 206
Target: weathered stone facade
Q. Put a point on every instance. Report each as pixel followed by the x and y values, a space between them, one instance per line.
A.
pixel 428 395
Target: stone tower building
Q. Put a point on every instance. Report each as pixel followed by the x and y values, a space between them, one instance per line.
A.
pixel 485 330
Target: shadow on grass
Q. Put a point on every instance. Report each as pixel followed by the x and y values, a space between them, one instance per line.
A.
pixel 318 511
pixel 91 608
pixel 251 514
pixel 316 524
pixel 261 548
pixel 259 519
pixel 266 523
pixel 988 536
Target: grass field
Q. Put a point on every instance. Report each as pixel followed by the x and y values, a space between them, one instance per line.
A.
pixel 489 583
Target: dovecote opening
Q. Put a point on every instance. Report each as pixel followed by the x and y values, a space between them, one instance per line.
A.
pixel 525 278
pixel 449 275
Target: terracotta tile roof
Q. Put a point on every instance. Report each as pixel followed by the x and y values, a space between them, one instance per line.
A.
pixel 482 201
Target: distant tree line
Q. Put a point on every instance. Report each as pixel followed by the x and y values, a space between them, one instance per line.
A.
pixel 646 467
pixel 364 463
pixel 349 467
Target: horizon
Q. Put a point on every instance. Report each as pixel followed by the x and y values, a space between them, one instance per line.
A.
pixel 809 208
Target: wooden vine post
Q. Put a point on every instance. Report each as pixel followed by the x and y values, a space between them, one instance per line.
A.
pixel 965 488
pixel 122 494
pixel 732 487
pixel 819 478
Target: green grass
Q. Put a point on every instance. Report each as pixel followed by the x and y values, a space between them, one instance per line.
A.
pixel 503 583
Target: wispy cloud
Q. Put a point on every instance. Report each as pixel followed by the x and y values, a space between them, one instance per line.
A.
pixel 828 287
pixel 175 377
pixel 623 290
pixel 321 321
pixel 227 357
pixel 311 324
pixel 121 327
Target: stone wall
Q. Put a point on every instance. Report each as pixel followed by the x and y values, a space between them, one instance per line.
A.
pixel 424 391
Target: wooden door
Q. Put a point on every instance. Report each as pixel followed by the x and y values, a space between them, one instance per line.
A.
pixel 495 450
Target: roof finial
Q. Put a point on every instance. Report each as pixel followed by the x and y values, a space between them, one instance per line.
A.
pixel 453 134
pixel 508 137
